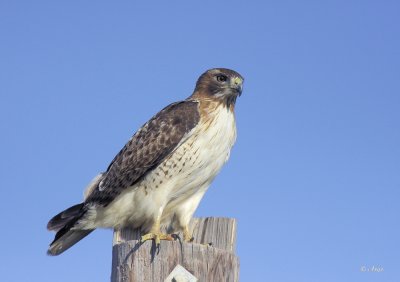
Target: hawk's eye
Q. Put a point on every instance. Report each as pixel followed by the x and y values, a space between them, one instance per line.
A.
pixel 221 78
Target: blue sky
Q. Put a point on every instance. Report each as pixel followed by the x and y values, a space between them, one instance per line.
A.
pixel 313 178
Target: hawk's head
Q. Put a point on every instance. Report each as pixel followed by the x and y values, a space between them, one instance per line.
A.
pixel 220 84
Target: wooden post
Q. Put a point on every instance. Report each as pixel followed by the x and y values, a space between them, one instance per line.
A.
pixel 210 257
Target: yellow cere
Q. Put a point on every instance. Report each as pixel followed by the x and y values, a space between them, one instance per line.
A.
pixel 238 80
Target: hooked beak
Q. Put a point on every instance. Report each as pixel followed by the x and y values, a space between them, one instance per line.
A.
pixel 237 84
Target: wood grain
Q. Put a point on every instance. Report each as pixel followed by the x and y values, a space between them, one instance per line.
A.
pixel 135 261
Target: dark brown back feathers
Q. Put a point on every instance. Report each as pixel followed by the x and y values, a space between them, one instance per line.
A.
pixel 156 140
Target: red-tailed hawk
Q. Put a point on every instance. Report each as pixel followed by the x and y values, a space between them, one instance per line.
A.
pixel 161 174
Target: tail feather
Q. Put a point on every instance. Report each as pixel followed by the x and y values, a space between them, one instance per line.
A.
pixel 67 240
pixel 66 235
pixel 64 217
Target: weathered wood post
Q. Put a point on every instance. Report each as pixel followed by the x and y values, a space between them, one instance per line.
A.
pixel 210 257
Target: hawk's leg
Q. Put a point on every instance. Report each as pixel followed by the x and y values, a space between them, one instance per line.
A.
pixel 156 234
pixel 187 235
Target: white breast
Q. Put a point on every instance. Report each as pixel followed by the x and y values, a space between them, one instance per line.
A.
pixel 208 148
pixel 203 154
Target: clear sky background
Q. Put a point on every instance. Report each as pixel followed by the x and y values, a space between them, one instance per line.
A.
pixel 313 179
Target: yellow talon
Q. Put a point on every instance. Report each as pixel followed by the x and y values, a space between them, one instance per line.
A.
pixel 157 237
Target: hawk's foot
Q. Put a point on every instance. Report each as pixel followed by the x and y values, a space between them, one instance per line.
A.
pixel 157 237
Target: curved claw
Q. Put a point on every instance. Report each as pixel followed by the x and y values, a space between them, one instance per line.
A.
pixel 157 237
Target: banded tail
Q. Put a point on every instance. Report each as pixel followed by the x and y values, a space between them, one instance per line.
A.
pixel 63 224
